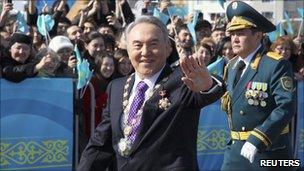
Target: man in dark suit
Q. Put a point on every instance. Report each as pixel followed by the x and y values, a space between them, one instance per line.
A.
pixel 260 100
pixel 151 118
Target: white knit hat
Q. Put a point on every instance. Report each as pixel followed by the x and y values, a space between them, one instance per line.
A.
pixel 59 42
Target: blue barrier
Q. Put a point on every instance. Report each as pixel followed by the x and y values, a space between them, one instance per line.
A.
pixel 36 124
pixel 300 124
pixel 213 135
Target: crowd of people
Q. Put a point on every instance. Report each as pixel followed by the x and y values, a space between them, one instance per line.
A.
pixel 98 31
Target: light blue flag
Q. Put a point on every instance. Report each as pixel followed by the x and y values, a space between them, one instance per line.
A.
pixel 195 18
pixel 78 55
pixel 45 23
pixel 301 12
pixel 192 32
pixel 222 3
pixel 191 26
pixel 22 25
pixel 40 3
pixel 217 67
pixel 281 29
pixel 83 68
pixel 289 29
pixel 178 11
pixel 277 33
pixel 161 16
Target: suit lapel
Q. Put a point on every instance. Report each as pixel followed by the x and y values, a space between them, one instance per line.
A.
pixel 150 110
pixel 119 106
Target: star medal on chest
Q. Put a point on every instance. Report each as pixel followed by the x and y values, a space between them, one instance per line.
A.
pixel 164 102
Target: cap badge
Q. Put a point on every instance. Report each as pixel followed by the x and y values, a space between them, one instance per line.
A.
pixel 234 5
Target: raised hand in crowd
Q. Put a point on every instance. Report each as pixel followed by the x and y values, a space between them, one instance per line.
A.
pixel 163 5
pixel 93 7
pixel 6 8
pixel 31 7
pixel 45 9
pixel 147 4
pixel 112 20
pixel 45 62
pixel 83 17
pixel 176 21
pixel 72 61
pixel 121 2
pixel 61 6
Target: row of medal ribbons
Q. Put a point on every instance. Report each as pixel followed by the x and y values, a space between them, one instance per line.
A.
pixel 256 93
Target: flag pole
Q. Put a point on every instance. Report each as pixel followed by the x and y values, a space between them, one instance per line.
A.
pixel 300 28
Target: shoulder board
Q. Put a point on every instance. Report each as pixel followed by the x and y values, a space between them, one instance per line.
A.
pixel 274 55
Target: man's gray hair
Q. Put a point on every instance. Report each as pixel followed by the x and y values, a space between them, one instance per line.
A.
pixel 147 19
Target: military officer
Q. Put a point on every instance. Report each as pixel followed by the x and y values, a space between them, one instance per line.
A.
pixel 260 97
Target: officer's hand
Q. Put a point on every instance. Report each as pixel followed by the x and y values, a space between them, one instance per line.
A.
pixel 249 151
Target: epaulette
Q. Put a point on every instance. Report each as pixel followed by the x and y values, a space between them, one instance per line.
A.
pixel 274 55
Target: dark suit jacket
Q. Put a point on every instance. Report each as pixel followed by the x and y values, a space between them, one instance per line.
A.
pixel 166 140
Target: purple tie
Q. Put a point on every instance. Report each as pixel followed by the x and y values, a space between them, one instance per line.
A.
pixel 138 101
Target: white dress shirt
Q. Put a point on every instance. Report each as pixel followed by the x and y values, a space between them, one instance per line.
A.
pixel 247 60
pixel 149 81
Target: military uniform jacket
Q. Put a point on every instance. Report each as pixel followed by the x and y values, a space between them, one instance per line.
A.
pixel 166 139
pixel 269 112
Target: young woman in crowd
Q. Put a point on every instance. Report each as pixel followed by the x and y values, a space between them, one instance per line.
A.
pixel 204 53
pixel 224 49
pixel 94 48
pixel 124 66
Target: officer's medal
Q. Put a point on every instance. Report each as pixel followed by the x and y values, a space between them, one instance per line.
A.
pixel 256 93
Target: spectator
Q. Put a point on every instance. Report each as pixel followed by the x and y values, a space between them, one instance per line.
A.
pixel 209 41
pixel 124 66
pixel 143 7
pixel 203 29
pixel 5 38
pixel 63 24
pixel 38 42
pixel 63 47
pixel 109 44
pixel 16 63
pixel 106 29
pixel 106 66
pixel 88 27
pixel 74 33
pixel 285 47
pixel 204 53
pixel 224 49
pixel 49 70
pixel 217 34
pixel 184 40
